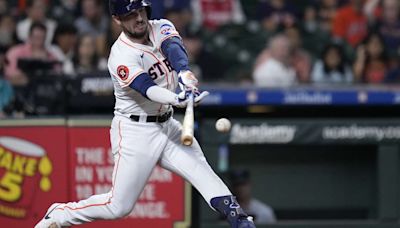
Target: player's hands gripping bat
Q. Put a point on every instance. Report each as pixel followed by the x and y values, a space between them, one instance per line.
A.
pixel 190 100
pixel 183 98
pixel 189 96
pixel 187 81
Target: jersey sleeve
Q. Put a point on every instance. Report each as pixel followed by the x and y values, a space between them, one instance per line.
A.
pixel 125 71
pixel 162 30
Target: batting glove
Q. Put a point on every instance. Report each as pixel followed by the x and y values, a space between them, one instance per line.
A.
pixel 182 99
pixel 187 80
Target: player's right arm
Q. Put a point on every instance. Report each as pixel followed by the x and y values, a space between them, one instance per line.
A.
pixel 149 89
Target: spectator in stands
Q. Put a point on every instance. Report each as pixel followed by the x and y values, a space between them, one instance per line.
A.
pixel 33 48
pixel 313 33
pixel 274 67
pixel 275 14
pixel 327 13
pixel 6 91
pixel 8 7
pixel 393 74
pixel 242 187
pixel 371 62
pixel 94 22
pixel 350 24
pixel 63 47
pixel 65 11
pixel 310 22
pixel 300 58
pixel 7 31
pixel 332 67
pixel 36 12
pixel 6 96
pixel 212 14
pixel 86 60
pixel 389 25
pixel 4 7
pixel 161 7
pixel 371 9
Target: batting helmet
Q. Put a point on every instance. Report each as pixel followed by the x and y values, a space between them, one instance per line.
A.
pixel 125 7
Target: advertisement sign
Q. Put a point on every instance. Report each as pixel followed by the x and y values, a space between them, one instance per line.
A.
pixel 304 95
pixel 162 202
pixel 32 161
pixel 321 131
pixel 43 162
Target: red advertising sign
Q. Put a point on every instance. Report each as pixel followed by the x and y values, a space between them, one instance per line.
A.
pixel 43 162
pixel 162 202
pixel 32 161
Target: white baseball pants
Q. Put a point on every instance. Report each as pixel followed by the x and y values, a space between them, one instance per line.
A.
pixel 137 147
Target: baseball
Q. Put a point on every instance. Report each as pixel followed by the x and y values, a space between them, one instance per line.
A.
pixel 223 125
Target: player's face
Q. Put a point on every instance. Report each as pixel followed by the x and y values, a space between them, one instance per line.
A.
pixel 135 24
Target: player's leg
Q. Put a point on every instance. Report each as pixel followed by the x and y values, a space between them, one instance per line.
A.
pixel 190 163
pixel 136 148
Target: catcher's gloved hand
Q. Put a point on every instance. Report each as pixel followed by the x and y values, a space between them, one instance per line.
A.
pixel 187 81
pixel 183 97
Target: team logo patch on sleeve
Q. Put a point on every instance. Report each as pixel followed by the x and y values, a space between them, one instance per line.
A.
pixel 166 29
pixel 123 72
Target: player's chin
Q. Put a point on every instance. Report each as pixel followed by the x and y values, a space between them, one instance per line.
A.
pixel 141 34
pixel 140 28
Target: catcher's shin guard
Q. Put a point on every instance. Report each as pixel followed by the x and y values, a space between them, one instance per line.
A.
pixel 230 208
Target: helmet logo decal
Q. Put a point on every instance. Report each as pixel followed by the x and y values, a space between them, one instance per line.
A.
pixel 130 6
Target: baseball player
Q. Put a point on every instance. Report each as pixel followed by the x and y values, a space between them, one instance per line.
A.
pixel 146 63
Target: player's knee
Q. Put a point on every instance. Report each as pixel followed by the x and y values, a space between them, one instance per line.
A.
pixel 120 211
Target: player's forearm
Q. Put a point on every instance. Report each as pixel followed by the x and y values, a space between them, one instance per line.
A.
pixel 161 95
pixel 146 86
pixel 175 52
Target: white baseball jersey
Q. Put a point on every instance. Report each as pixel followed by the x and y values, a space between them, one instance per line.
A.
pixel 137 146
pixel 128 60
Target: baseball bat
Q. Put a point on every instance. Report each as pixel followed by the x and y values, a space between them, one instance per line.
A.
pixel 188 123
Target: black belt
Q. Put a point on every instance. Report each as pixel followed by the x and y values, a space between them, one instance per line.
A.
pixel 159 119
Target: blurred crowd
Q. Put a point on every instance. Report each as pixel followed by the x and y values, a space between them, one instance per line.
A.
pixel 265 43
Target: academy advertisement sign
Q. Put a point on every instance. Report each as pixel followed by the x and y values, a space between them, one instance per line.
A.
pixel 357 132
pixel 314 132
pixel 262 133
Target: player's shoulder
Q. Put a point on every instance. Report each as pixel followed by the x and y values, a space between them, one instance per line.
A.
pixel 162 29
pixel 122 52
pixel 124 47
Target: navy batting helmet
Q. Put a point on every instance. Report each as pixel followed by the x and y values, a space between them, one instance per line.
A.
pixel 125 7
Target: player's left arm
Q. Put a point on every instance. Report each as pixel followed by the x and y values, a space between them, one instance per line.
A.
pixel 176 54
